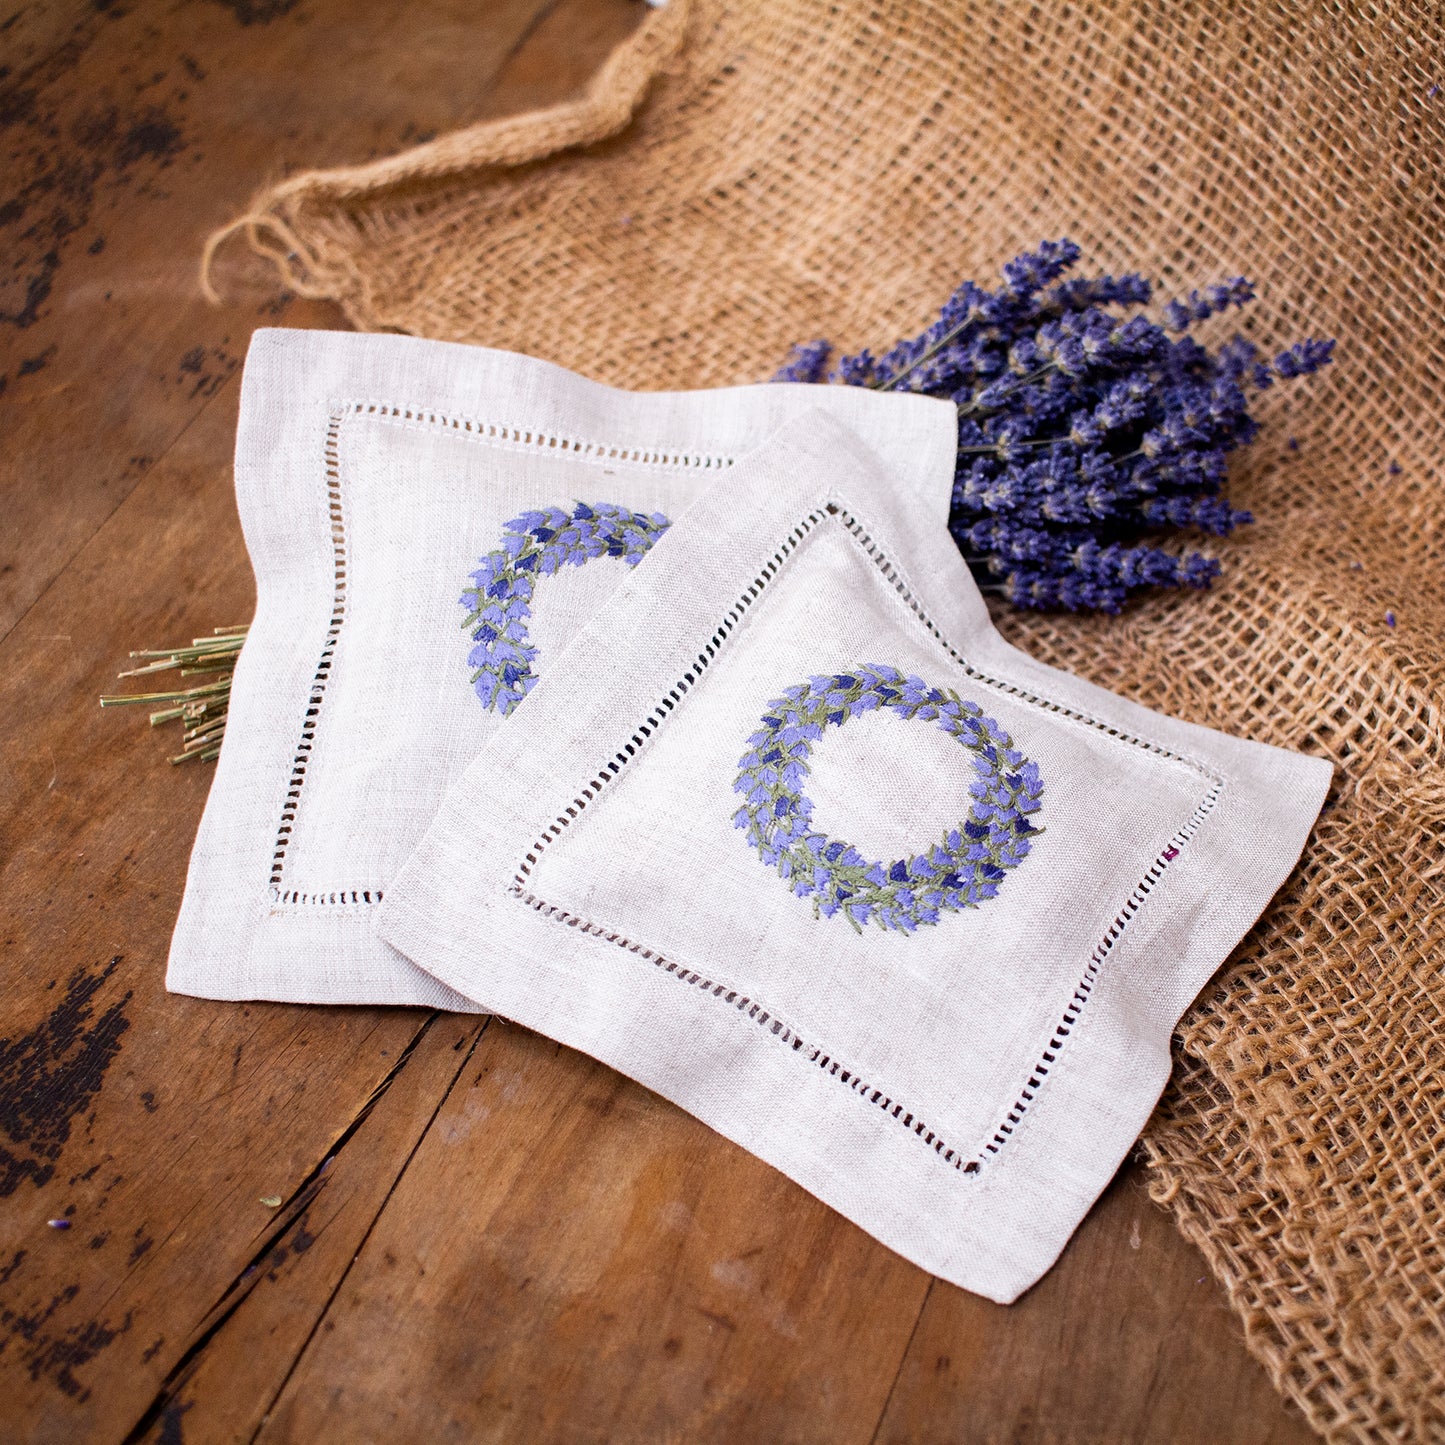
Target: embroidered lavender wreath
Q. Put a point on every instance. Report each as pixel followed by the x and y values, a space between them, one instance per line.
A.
pixel 960 872
pixel 534 545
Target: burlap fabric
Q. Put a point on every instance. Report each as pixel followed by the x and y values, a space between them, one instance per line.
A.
pixel 745 175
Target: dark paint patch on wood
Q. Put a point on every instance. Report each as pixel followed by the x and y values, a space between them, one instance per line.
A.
pixel 56 165
pixel 58 1356
pixel 50 1076
pixel 170 1431
pixel 257 12
pixel 150 136
pixel 15 1262
pixel 32 364
pixel 207 371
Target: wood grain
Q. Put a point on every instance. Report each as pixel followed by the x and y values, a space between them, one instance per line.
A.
pixel 676 1287
pixel 480 1236
pixel 154 1124
pixel 239 1356
pixel 126 143
pixel 1128 1339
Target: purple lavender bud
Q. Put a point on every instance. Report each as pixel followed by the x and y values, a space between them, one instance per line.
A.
pixel 859 370
pixel 1179 315
pixel 1034 270
pixel 808 363
pixel 1236 356
pixel 1303 358
pixel 1081 292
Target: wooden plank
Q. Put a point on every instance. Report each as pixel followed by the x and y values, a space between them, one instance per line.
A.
pixel 239 1357
pixel 1128 1339
pixel 153 1125
pixel 576 1259
pixel 561 52
pixel 128 136
pixel 569 1276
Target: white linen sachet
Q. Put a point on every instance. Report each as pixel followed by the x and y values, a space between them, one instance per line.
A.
pixel 793 837
pixel 429 524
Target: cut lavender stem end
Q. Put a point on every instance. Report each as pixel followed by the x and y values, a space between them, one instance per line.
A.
pixel 1085 432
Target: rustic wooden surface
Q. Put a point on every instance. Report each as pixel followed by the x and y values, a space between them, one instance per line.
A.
pixel 481 1236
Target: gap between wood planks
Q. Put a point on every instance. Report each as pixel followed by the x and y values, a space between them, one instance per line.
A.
pixel 291 1213
pixel 902 1360
pixel 539 19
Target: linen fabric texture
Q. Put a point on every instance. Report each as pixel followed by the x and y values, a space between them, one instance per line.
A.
pixel 947 1012
pixel 374 476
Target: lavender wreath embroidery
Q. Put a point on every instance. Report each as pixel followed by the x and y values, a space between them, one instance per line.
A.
pixel 961 871
pixel 534 545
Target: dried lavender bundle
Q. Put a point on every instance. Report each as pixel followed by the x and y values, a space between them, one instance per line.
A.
pixel 1084 431
pixel 201 710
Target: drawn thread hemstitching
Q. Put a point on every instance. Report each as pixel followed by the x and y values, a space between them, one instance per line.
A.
pixel 785 1034
pixel 496 433
pixel 307 741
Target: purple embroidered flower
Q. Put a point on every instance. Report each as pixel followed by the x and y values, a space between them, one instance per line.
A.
pixel 1083 433
pixel 536 544
pixel 960 871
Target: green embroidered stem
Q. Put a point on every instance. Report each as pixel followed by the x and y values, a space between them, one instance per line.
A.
pixel 203 708
pixel 962 870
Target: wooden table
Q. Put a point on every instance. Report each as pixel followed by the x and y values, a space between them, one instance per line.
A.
pixel 480 1236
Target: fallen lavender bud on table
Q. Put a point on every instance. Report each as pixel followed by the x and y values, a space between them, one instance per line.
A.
pixel 1083 431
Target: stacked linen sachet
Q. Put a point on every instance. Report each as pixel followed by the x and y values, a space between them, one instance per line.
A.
pixel 674 726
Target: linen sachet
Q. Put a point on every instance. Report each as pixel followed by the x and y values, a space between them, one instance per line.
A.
pixel 429 524
pixel 793 837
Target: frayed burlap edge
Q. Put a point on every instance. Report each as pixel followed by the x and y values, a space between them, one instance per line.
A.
pixel 302 224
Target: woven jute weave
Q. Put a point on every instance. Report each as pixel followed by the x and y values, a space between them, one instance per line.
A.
pixel 745 175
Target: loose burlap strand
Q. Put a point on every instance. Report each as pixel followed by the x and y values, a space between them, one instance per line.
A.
pixel 744 174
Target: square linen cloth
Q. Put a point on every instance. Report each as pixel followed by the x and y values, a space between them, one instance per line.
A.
pixel 379 479
pixel 793 837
